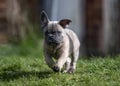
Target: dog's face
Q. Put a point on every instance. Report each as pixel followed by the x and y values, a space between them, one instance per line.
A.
pixel 53 30
pixel 53 34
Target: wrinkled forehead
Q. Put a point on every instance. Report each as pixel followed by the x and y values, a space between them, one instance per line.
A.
pixel 53 26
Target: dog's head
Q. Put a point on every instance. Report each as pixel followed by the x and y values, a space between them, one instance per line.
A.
pixel 53 30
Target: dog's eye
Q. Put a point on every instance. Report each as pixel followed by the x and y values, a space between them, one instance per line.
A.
pixel 46 32
pixel 53 32
pixel 58 32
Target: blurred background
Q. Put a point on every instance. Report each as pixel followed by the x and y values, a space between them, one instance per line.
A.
pixel 96 22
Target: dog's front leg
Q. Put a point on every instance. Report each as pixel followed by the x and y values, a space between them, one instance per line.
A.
pixel 60 62
pixel 49 60
pixel 75 57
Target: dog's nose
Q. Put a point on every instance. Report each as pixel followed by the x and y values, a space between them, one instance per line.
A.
pixel 51 36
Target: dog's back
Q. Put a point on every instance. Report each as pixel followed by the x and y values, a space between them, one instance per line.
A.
pixel 74 41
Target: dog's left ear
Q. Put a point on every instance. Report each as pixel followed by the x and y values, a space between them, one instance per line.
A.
pixel 64 22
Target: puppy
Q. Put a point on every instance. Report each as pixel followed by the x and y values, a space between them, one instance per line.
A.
pixel 60 44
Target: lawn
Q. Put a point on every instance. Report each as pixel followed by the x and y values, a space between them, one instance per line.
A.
pixel 31 70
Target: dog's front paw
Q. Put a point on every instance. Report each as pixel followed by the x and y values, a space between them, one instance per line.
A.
pixel 71 70
pixel 65 71
pixel 56 68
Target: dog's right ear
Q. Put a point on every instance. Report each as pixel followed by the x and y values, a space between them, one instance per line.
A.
pixel 44 19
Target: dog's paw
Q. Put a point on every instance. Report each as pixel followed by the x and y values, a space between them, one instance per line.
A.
pixel 65 71
pixel 56 68
pixel 71 70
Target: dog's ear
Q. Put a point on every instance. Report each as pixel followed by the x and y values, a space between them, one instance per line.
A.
pixel 44 19
pixel 64 22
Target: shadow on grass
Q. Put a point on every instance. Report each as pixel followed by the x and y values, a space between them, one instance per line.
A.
pixel 13 74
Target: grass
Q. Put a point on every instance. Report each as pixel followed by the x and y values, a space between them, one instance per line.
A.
pixel 31 70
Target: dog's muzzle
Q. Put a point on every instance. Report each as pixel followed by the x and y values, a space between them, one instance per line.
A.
pixel 52 40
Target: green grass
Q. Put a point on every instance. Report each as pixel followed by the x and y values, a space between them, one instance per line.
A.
pixel 31 70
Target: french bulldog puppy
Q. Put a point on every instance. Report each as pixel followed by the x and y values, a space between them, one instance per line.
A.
pixel 61 45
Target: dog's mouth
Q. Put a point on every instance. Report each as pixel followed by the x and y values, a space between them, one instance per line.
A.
pixel 53 42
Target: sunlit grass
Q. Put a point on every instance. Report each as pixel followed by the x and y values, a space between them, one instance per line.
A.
pixel 31 70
